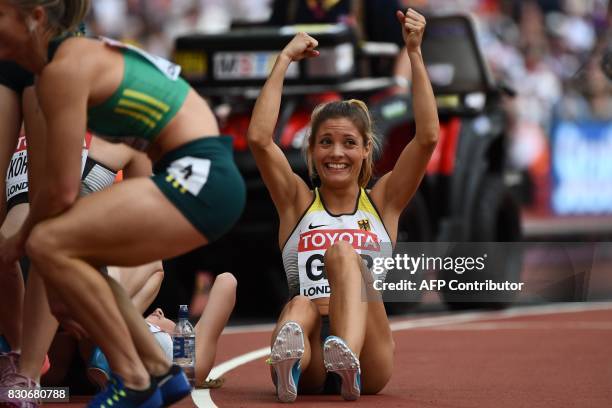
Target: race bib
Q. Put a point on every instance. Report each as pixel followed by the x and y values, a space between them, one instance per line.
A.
pixel 169 69
pixel 189 174
pixel 85 152
pixel 17 174
pixel 311 253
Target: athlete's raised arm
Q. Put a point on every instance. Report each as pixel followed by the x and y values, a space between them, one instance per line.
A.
pixel 276 172
pixel 394 190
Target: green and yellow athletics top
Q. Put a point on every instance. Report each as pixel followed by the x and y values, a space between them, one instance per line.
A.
pixel 149 96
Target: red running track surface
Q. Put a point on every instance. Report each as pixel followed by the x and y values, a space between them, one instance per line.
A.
pixel 548 361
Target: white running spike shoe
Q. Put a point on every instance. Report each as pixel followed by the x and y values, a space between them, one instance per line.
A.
pixel 339 359
pixel 285 357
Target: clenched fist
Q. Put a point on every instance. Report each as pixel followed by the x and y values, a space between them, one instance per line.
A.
pixel 301 46
pixel 413 27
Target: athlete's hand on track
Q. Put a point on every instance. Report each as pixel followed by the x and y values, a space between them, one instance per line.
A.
pixel 12 249
pixel 413 27
pixel 300 47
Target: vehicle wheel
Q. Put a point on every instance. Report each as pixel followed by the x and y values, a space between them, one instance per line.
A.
pixel 414 226
pixel 496 218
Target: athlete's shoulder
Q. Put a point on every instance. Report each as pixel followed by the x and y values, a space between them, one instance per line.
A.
pixel 73 60
pixel 77 49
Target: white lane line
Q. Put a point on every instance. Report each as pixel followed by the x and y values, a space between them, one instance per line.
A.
pixel 255 328
pixel 203 399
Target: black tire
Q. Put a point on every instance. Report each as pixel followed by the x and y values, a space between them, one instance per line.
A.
pixel 414 226
pixel 496 218
pixel 497 214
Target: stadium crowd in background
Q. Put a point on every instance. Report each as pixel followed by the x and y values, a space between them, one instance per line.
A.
pixel 547 50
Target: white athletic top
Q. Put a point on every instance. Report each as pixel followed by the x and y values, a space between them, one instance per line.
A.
pixel 164 340
pixel 17 173
pixel 317 230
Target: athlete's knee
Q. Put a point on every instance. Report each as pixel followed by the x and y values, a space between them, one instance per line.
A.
pixel 42 244
pixel 338 259
pixel 158 276
pixel 227 280
pixel 340 251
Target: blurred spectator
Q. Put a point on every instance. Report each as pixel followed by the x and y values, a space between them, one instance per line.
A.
pixel 154 24
pixel 538 88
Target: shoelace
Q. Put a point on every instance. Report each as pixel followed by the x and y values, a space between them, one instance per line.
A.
pixel 110 395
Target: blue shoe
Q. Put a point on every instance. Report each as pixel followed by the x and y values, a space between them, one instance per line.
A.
pixel 4 346
pixel 98 370
pixel 340 360
pixel 116 395
pixel 285 357
pixel 174 386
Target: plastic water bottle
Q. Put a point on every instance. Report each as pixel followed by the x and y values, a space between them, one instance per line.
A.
pixel 183 344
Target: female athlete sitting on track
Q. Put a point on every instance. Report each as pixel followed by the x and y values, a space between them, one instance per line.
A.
pixel 339 152
pixel 195 195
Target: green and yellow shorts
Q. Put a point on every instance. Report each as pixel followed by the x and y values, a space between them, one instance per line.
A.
pixel 201 179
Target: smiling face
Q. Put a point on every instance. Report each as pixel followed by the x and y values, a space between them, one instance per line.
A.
pixel 339 149
pixel 158 319
pixel 339 152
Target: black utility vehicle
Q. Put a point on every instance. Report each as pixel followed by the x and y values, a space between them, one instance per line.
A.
pixel 462 198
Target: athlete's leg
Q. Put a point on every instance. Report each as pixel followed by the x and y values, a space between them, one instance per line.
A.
pixel 361 322
pixel 209 327
pixel 347 308
pixel 141 283
pixel 130 223
pixel 147 294
pixel 304 312
pixel 39 327
pixel 376 357
pixel 149 351
pixel 11 283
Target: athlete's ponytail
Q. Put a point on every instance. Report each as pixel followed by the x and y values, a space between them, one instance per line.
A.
pixel 74 13
pixel 63 16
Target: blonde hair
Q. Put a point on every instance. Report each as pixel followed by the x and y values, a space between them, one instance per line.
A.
pixel 63 15
pixel 357 112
